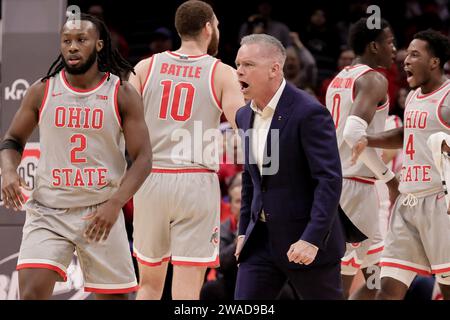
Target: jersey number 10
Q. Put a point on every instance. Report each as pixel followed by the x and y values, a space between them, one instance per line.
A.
pixel 174 94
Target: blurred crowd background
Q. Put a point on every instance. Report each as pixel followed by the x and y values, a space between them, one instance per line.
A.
pixel 315 32
pixel 315 35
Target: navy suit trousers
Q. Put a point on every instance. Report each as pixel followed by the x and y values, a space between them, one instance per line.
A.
pixel 260 277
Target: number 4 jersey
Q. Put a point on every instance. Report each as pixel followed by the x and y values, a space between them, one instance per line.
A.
pixel 422 118
pixel 339 101
pixel 181 108
pixel 82 145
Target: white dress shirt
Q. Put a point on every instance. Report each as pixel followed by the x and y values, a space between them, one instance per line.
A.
pixel 260 130
pixel 261 126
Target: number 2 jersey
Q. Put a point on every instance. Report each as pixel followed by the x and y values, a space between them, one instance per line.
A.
pixel 181 108
pixel 422 118
pixel 82 146
pixel 339 101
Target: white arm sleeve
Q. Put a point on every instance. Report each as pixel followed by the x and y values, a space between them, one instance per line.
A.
pixel 355 128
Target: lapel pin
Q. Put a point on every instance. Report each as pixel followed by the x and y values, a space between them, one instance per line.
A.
pixel 279 118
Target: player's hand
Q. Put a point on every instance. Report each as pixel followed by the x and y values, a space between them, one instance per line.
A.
pixel 302 252
pixel 11 190
pixel 393 190
pixel 358 148
pixel 101 221
pixel 239 245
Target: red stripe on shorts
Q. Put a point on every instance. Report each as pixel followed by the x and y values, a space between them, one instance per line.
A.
pixel 42 266
pixel 210 264
pixel 150 264
pixel 402 266
pixel 111 291
pixel 351 262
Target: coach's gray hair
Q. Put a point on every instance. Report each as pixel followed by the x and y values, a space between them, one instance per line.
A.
pixel 268 41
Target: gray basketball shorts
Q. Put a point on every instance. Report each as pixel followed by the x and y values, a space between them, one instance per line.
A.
pixel 418 238
pixel 361 204
pixel 51 236
pixel 177 218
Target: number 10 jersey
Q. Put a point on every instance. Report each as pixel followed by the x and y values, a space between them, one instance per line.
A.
pixel 182 111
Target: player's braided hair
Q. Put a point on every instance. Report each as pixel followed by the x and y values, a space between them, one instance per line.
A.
pixel 109 59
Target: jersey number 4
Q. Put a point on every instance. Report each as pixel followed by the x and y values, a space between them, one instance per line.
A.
pixel 410 147
pixel 174 94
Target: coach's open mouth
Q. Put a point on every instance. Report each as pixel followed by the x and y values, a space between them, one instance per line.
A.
pixel 244 85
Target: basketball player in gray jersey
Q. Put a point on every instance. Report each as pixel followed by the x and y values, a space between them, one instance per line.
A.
pixel 86 115
pixel 176 214
pixel 357 98
pixel 418 239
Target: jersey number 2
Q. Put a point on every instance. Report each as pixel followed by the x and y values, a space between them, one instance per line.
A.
pixel 82 146
pixel 175 96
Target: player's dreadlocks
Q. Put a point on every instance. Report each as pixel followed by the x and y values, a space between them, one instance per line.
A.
pixel 108 59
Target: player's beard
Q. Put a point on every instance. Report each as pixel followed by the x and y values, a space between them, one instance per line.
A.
pixel 213 47
pixel 83 68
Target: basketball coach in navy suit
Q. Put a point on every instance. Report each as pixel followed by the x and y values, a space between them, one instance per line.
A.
pixel 289 226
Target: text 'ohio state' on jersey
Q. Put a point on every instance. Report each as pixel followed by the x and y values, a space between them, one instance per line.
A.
pixel 422 118
pixel 82 145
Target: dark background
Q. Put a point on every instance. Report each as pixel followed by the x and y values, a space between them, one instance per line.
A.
pixel 137 19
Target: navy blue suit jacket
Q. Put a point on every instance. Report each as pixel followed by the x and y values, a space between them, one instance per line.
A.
pixel 301 199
